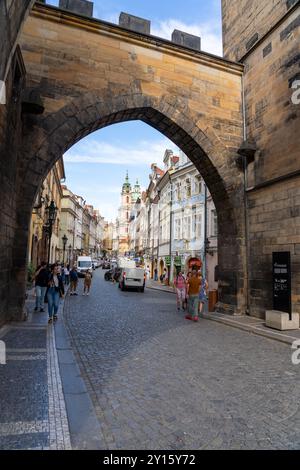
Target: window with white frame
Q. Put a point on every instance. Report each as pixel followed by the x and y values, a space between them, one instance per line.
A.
pixel 177 229
pixel 214 223
pixel 197 225
pixel 194 222
pixel 197 184
pixel 188 189
pixel 178 191
pixel 187 227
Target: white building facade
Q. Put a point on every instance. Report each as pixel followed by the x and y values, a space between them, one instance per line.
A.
pixel 177 220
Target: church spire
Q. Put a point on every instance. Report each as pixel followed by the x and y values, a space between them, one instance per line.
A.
pixel 126 186
pixel 136 193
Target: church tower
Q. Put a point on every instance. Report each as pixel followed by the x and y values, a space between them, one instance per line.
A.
pixel 124 216
pixel 136 192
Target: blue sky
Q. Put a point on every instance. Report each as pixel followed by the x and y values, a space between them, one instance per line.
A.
pixel 96 166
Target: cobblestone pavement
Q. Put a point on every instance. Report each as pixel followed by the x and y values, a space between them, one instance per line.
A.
pixel 159 381
pixel 32 408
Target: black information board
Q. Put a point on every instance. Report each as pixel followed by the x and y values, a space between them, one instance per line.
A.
pixel 282 282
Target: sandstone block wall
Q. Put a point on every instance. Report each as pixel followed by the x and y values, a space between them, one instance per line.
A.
pixel 12 15
pixel 273 120
pixel 274 226
pixel 245 22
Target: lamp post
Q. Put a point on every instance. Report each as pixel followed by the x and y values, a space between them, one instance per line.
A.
pixel 64 239
pixel 51 210
pixel 70 248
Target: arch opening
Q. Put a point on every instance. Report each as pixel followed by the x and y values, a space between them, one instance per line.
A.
pixel 53 135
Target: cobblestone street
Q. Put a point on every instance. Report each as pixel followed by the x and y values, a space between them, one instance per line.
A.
pixel 159 381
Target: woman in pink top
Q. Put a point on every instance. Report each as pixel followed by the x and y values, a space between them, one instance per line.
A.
pixel 180 285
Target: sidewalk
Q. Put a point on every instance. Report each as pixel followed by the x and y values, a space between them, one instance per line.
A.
pixel 157 285
pixel 253 325
pixel 44 404
pixel 242 322
pixel 32 409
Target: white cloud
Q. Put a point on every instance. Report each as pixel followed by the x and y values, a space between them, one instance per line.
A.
pixel 99 189
pixel 143 153
pixel 210 31
pixel 211 38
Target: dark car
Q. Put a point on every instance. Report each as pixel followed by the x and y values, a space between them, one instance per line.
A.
pixel 113 273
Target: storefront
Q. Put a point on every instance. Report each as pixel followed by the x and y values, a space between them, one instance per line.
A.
pixel 177 265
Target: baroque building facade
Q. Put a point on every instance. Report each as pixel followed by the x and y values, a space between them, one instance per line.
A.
pixel 38 240
pixel 173 225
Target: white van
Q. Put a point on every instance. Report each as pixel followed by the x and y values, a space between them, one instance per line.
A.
pixel 131 277
pixel 83 264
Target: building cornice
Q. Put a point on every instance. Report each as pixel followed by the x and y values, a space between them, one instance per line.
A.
pixel 181 171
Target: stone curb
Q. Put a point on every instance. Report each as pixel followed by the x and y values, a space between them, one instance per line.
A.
pixel 83 423
pixel 160 289
pixel 281 337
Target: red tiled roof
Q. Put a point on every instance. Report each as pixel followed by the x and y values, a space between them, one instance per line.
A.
pixel 159 171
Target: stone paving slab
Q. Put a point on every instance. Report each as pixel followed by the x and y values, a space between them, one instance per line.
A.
pixel 159 381
pixel 32 408
pixel 254 325
pixel 243 322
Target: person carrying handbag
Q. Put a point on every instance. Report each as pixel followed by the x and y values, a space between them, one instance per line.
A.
pixel 55 292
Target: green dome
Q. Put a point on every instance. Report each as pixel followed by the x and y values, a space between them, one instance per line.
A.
pixel 126 188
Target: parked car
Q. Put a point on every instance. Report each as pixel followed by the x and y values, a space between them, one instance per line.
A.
pixel 131 277
pixel 113 273
pixel 95 263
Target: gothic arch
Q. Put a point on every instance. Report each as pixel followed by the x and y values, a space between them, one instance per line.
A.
pixel 49 137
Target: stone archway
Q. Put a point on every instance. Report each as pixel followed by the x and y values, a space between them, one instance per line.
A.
pixel 48 138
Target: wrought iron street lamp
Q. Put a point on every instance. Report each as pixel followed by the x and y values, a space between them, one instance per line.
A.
pixel 70 248
pixel 51 211
pixel 64 239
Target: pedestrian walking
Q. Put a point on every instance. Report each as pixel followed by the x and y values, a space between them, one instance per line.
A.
pixel 155 274
pixel 87 283
pixel 202 293
pixel 180 286
pixel 194 286
pixel 147 272
pixel 73 281
pixel 166 278
pixel 67 274
pixel 62 272
pixel 55 292
pixel 188 277
pixel 41 283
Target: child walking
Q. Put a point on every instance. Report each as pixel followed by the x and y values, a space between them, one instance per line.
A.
pixel 87 283
pixel 180 286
